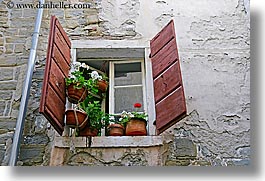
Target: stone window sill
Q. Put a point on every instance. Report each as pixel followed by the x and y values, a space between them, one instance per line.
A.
pixel 111 141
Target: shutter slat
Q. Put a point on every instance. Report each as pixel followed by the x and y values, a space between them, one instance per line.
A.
pixel 168 87
pixel 60 60
pixel 62 46
pixel 55 123
pixel 162 38
pixel 164 58
pixel 174 107
pixel 57 67
pixel 167 82
pixel 65 37
pixel 55 105
pixel 57 81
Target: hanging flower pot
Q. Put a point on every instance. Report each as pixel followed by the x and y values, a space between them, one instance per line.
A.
pixel 76 119
pixel 76 95
pixel 102 85
pixel 136 127
pixel 116 130
pixel 88 131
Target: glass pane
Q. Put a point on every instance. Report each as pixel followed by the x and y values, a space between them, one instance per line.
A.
pixel 127 74
pixel 126 97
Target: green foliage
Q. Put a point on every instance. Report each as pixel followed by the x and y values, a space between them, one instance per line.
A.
pixel 126 116
pixel 77 78
pixel 139 115
pixel 105 77
pixel 95 115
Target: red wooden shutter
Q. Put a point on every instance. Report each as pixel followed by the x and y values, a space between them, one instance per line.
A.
pixel 168 88
pixel 58 59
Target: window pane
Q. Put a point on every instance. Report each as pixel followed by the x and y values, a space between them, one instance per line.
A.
pixel 127 74
pixel 126 97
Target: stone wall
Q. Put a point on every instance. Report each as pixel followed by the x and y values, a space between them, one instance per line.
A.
pixel 213 39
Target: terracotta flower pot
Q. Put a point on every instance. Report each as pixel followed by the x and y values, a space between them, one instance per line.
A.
pixel 76 95
pixel 87 131
pixel 116 130
pixel 102 85
pixel 79 120
pixel 136 127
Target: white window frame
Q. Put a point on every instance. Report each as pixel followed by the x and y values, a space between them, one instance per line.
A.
pixel 111 85
pixel 148 89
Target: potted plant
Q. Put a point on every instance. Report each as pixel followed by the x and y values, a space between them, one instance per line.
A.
pixel 102 81
pixel 115 127
pixel 95 122
pixel 135 122
pixel 77 85
pixel 76 118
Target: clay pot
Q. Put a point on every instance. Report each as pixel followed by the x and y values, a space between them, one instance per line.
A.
pixel 116 130
pixel 102 85
pixel 71 120
pixel 76 95
pixel 136 127
pixel 87 131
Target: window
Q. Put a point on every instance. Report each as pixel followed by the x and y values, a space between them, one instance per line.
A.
pixel 127 85
pixel 127 76
pixel 152 74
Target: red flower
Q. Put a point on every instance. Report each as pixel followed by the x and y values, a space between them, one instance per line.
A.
pixel 137 105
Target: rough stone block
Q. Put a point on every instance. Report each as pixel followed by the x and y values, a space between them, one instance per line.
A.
pixel 36 139
pixel 239 162
pixel 8 124
pixel 73 13
pixel 92 19
pixel 38 74
pixel 8 85
pixel 2 108
pixel 4 137
pixel 6 73
pixel 2 153
pixel 9 48
pixel 23 22
pixel 177 163
pixel 72 24
pixel 3 131
pixel 1 41
pixel 244 152
pixel 16 13
pixel 184 147
pixel 40 124
pixel 201 163
pixel 19 48
pixel 6 95
pixel 29 13
pixel 31 154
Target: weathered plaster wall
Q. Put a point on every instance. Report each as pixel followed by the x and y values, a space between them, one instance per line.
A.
pixel 213 37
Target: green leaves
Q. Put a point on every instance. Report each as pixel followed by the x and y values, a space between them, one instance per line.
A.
pixel 95 115
pixel 78 79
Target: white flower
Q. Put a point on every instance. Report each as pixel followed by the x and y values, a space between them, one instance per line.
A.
pixel 85 66
pixel 123 114
pixel 130 115
pixel 77 64
pixel 72 76
pixel 94 75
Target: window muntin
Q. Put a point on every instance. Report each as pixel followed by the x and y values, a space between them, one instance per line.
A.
pixel 127 86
